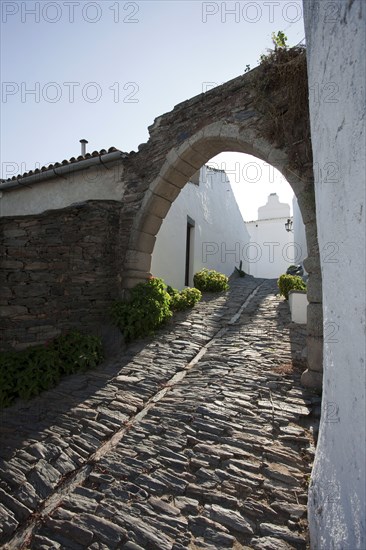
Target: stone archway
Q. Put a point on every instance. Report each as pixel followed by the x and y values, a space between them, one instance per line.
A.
pixel 223 119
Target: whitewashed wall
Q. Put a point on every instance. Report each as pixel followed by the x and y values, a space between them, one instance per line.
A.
pixel 94 183
pixel 335 35
pixel 271 249
pixel 219 234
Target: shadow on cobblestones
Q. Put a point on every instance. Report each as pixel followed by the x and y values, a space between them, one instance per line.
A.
pixel 25 420
pixel 199 438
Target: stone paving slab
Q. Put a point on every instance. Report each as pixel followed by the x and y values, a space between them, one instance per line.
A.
pixel 164 448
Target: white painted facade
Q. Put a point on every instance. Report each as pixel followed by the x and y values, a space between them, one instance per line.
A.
pixel 336 63
pixel 97 182
pixel 271 249
pixel 218 238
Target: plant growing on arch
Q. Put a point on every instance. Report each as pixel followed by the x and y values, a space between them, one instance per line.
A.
pixel 279 40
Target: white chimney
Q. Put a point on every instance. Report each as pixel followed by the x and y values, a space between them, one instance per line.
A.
pixel 83 146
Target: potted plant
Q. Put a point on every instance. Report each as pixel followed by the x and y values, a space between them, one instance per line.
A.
pixel 293 288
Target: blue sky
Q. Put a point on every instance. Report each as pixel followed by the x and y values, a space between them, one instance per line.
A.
pixel 105 70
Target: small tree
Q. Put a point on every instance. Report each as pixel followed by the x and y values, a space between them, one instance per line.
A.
pixel 279 40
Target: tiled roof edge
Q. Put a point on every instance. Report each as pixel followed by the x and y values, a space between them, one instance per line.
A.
pixel 65 162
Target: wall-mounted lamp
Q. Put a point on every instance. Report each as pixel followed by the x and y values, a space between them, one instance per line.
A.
pixel 288 226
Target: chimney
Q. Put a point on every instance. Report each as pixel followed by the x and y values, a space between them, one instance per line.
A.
pixel 83 146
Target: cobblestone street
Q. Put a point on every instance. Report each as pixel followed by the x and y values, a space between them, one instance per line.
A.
pixel 199 438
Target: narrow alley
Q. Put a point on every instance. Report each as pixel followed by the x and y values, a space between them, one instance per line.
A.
pixel 199 438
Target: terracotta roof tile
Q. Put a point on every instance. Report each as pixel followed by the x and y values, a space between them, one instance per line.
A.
pixel 72 160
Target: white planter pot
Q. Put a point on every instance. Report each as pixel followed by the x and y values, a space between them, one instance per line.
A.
pixel 298 302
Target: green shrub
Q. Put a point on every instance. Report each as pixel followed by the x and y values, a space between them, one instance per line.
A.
pixel 286 283
pixel 78 351
pixel 39 369
pixel 184 299
pixel 28 372
pixel 210 281
pixel 147 309
pixel 171 291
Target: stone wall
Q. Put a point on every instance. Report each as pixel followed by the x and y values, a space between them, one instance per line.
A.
pixel 58 271
pixel 336 44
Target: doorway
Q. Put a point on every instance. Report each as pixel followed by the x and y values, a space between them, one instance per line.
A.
pixel 189 252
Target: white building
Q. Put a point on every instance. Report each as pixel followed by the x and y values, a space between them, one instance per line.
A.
pixel 96 176
pixel 203 228
pixel 272 248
